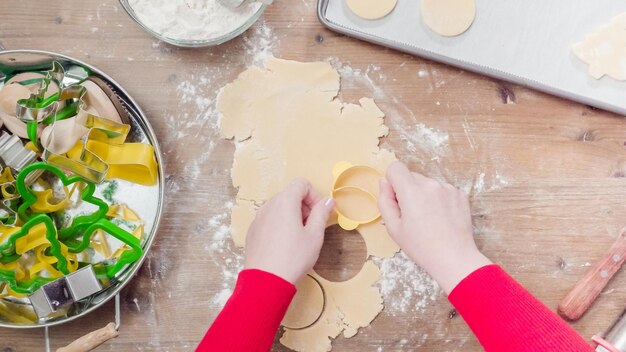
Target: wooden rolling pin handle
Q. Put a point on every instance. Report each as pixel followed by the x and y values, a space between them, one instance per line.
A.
pixel 91 340
pixel 580 298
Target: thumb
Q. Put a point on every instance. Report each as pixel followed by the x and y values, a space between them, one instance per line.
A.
pixel 388 204
pixel 317 220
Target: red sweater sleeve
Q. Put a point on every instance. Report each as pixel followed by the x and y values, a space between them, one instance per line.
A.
pixel 506 317
pixel 252 315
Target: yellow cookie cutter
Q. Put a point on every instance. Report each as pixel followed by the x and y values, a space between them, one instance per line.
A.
pixel 133 162
pixel 17 313
pixel 345 181
pixel 7 184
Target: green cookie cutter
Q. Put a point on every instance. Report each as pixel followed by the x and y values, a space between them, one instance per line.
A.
pixel 8 253
pixel 78 223
pixel 23 287
pixel 129 256
pixel 82 226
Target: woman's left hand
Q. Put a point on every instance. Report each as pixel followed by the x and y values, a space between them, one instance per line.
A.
pixel 287 234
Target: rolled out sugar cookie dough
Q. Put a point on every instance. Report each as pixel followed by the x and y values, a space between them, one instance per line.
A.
pixel 605 50
pixel 287 122
pixel 307 306
pixel 371 9
pixel 448 18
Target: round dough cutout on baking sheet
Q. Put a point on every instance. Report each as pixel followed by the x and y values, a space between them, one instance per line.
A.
pixel 307 306
pixel 448 18
pixel 371 9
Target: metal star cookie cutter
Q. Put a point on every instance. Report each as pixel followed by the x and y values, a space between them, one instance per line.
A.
pixel 355 182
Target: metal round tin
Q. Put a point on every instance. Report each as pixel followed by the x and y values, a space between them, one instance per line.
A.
pixel 150 199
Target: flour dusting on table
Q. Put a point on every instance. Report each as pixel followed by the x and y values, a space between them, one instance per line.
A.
pixel 405 286
pixel 197 128
pixel 223 254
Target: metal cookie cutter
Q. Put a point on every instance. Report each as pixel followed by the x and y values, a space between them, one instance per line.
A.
pixel 38 109
pixel 355 185
pixel 13 157
pixel 13 153
pixel 57 296
pixel 64 291
pixel 103 152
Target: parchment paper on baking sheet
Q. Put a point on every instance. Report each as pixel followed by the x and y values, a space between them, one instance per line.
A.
pixel 527 42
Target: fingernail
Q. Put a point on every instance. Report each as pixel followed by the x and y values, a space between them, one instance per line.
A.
pixel 329 202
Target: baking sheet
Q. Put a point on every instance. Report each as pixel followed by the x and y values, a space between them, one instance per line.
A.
pixel 526 42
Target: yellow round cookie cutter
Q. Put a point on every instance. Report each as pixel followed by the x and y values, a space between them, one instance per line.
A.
pixel 359 182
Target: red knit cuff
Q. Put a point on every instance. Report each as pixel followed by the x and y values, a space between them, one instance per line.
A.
pixel 262 282
pixel 506 317
pixel 268 292
pixel 481 277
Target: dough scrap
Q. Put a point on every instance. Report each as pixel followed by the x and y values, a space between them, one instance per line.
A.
pixel 286 122
pixel 307 307
pixel 448 18
pixel 350 305
pixel 371 9
pixel 605 50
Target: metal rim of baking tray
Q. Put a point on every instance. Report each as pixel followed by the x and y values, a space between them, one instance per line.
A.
pixel 194 43
pixel 322 6
pixel 106 295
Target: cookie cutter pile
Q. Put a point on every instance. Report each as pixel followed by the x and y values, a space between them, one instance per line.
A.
pixel 51 258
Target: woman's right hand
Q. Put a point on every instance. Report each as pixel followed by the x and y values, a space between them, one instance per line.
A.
pixel 431 222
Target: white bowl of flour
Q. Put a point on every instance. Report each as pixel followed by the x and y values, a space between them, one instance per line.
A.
pixel 193 23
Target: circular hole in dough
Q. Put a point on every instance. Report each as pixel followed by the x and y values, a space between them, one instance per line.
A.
pixel 342 256
pixel 307 305
pixel 371 9
pixel 448 18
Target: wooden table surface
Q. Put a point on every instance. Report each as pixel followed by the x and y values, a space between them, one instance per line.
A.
pixel 546 175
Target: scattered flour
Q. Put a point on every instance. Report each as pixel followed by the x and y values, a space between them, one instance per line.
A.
pixel 198 89
pixel 405 287
pixel 494 183
pixel 260 45
pixel 224 255
pixel 427 139
pixel 192 19
pixel 220 299
pixel 195 125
